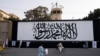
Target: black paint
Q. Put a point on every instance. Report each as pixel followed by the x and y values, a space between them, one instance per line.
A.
pixel 55 31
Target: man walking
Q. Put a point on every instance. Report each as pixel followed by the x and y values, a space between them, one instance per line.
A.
pixel 41 51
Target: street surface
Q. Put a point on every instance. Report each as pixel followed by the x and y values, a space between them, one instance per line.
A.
pixel 52 52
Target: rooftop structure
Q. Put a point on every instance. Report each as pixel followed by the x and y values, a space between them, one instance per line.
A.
pixel 56 12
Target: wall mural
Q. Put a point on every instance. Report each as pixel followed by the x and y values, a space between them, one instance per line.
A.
pixel 54 31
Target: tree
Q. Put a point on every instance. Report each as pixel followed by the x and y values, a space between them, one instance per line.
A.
pixel 11 18
pixel 39 13
pixel 93 15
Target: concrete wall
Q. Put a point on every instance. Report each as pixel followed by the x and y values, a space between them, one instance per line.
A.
pixel 5 31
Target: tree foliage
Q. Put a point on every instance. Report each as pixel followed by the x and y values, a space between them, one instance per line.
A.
pixel 38 13
pixel 93 15
pixel 12 19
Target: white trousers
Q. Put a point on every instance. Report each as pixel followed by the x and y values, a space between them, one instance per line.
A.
pixel 60 49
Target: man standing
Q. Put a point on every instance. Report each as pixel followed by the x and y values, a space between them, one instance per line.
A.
pixel 60 47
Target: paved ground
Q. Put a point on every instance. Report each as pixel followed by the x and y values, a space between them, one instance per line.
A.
pixel 52 52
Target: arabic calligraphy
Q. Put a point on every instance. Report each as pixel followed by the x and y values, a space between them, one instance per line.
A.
pixel 54 31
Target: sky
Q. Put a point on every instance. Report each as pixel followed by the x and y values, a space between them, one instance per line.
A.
pixel 72 9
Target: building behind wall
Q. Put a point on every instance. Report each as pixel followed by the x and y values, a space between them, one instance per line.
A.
pixel 5 26
pixel 4 15
pixel 56 12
